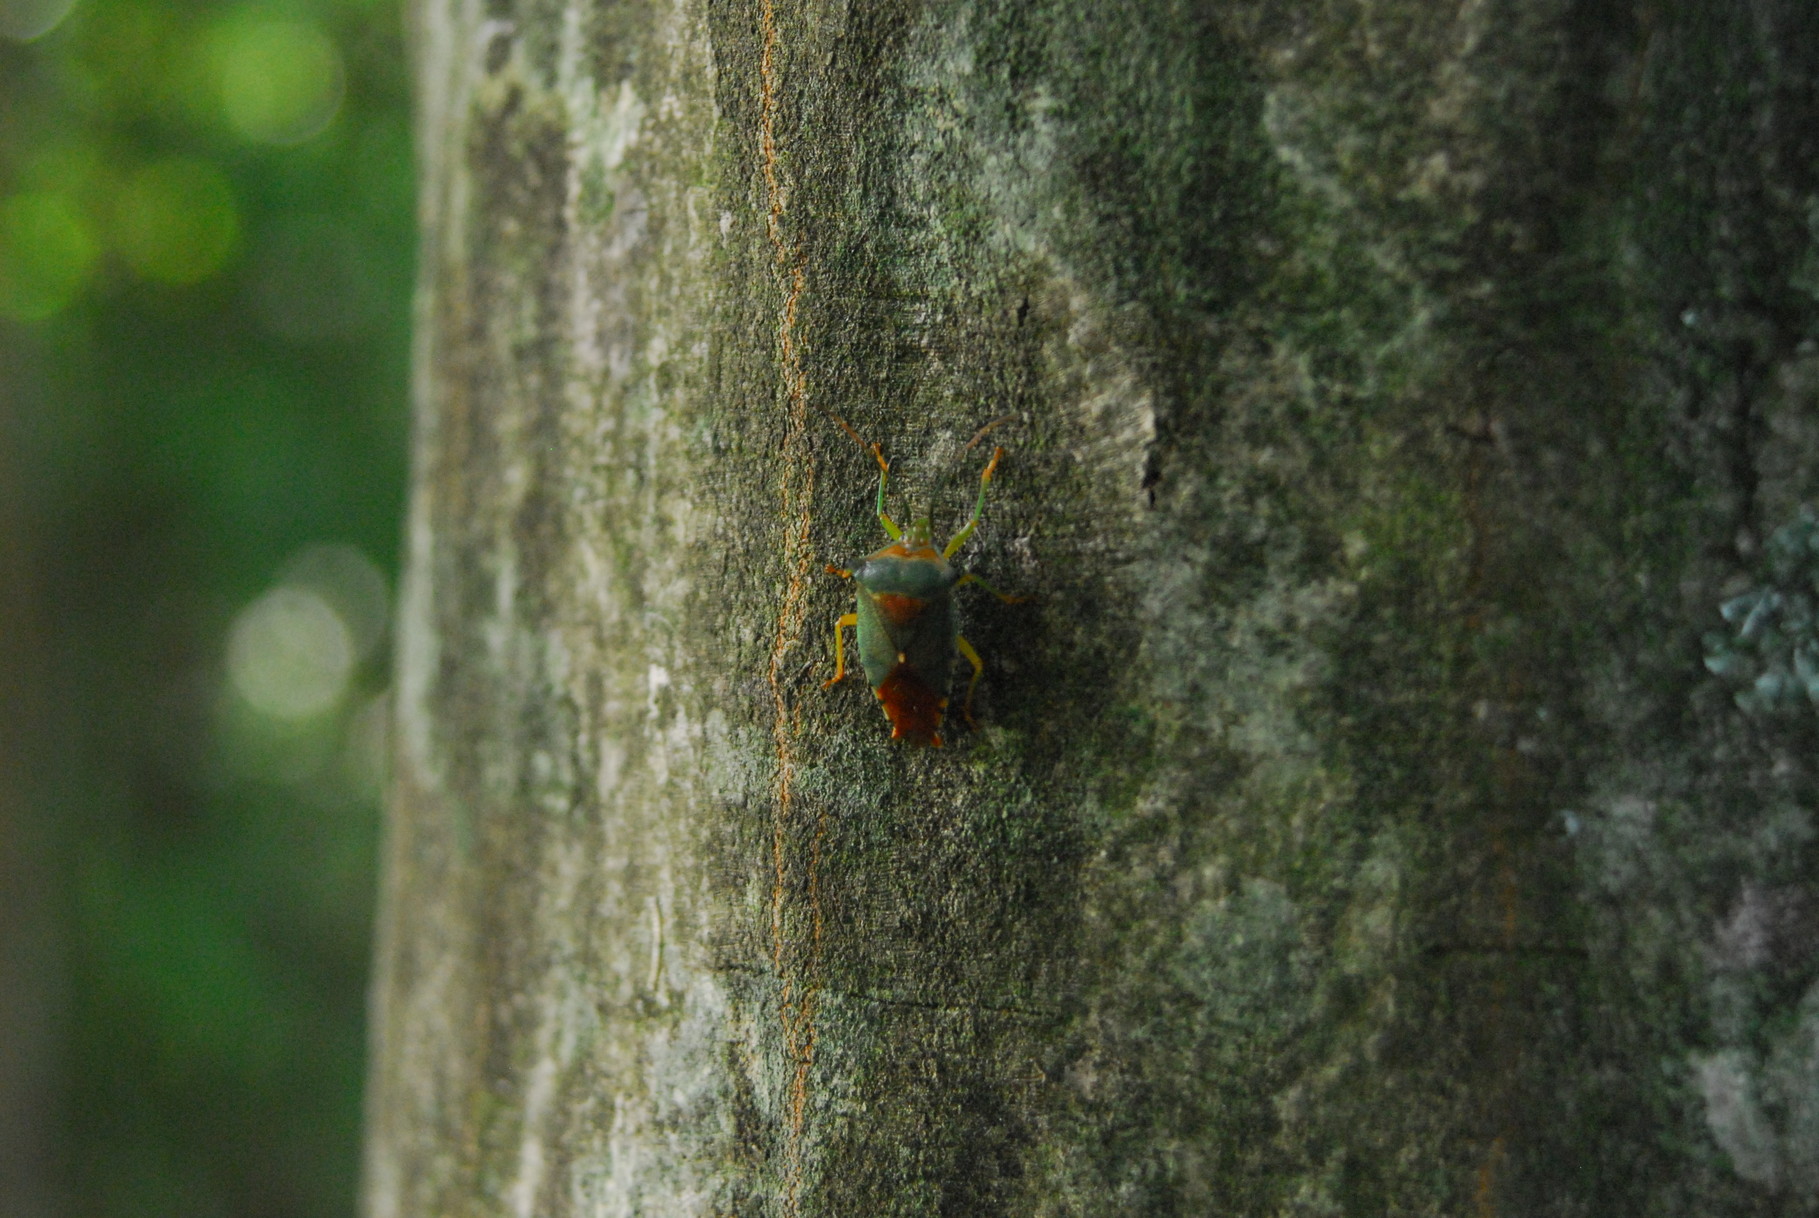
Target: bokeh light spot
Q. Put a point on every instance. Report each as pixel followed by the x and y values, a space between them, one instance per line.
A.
pixel 122 55
pixel 24 20
pixel 175 221
pixel 349 581
pixel 71 166
pixel 281 80
pixel 46 255
pixel 290 654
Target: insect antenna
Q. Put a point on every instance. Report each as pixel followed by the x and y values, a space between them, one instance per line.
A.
pixel 947 472
pixel 884 469
pixel 980 434
pixel 846 427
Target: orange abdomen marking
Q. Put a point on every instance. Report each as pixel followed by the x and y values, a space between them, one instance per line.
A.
pixel 899 610
pixel 914 709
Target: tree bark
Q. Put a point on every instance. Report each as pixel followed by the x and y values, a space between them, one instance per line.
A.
pixel 1396 795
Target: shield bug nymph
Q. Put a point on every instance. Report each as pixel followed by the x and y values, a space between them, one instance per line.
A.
pixel 904 621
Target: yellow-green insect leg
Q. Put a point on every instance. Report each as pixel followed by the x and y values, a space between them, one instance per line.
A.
pixel 972 657
pixel 966 530
pixel 970 578
pixel 849 619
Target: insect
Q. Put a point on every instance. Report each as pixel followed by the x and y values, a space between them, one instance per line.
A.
pixel 904 622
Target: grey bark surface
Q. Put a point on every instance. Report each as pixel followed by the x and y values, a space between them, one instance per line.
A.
pixel 1396 796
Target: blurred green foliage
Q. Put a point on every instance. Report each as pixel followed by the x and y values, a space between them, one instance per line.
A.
pixel 206 253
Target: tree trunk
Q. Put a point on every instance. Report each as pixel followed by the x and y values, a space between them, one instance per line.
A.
pixel 1396 794
pixel 30 976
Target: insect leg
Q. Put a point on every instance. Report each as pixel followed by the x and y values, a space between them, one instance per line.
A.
pixel 966 531
pixel 972 657
pixel 850 619
pixel 970 578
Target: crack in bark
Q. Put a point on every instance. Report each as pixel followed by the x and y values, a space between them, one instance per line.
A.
pixel 796 1016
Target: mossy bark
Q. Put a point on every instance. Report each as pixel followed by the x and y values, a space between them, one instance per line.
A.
pixel 1373 809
